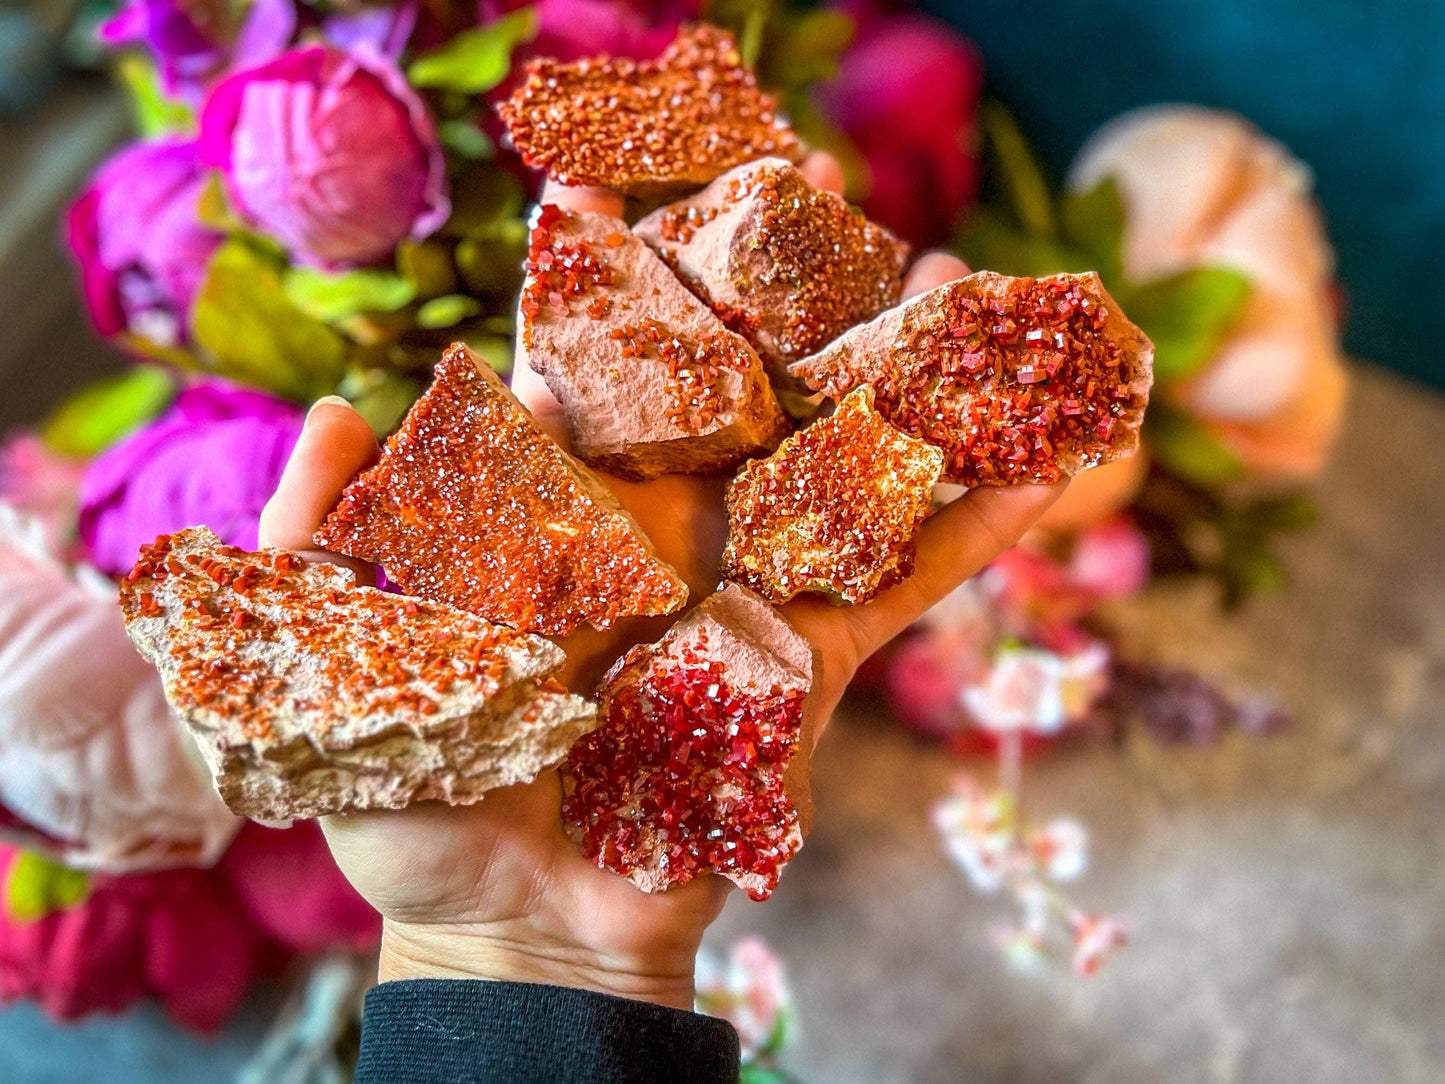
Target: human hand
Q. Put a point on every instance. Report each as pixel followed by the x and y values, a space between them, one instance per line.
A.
pixel 497 890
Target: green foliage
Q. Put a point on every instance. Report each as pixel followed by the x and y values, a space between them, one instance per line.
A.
pixel 252 332
pixel 155 114
pixel 448 311
pixel 333 298
pixel 463 136
pixel 35 887
pixel 1188 449
pixel 381 396
pixel 97 416
pixel 1187 315
pixel 475 61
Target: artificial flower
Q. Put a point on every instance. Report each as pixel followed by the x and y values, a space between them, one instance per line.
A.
pixel 141 248
pixel 907 95
pixel 193 939
pixel 328 151
pixel 1030 688
pixel 1061 849
pixel 212 459
pixel 43 486
pixel 750 991
pixel 1096 938
pixel 182 37
pixel 92 763
pixel 1204 188
pixel 570 29
pixel 978 826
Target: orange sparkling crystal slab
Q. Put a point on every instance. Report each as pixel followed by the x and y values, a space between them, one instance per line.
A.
pixel 473 504
pixel 835 509
pixel 650 126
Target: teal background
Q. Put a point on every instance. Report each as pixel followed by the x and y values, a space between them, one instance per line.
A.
pixel 1354 87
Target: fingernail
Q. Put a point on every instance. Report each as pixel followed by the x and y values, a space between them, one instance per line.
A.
pixel 326 400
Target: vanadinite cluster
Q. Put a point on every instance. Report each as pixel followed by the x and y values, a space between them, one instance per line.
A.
pixel 1015 380
pixel 700 762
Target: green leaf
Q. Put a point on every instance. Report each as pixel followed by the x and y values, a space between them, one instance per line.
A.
pixel 381 396
pixel 96 417
pixel 1290 512
pixel 1093 222
pixel 427 266
pixel 988 241
pixel 807 45
pixel 747 19
pixel 483 197
pixel 495 350
pixel 332 298
pixel 1187 315
pixel 1188 449
pixel 447 311
pixel 463 136
pixel 254 334
pixel 475 61
pixel 1024 186
pixel 35 887
pixel 155 113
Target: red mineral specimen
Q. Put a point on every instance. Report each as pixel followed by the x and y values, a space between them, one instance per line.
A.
pixel 650 380
pixel 649 127
pixel 1016 380
pixel 701 762
pixel 835 509
pixel 474 505
pixel 788 266
pixel 309 694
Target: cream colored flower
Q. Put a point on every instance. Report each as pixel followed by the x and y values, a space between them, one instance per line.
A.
pixel 91 759
pixel 1203 187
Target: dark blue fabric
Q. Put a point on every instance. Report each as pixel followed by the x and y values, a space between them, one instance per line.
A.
pixel 458 1031
pixel 1354 87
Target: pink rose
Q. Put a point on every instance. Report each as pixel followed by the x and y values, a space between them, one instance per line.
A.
pixel 570 29
pixel 213 458
pixel 141 248
pixel 907 95
pixel 330 152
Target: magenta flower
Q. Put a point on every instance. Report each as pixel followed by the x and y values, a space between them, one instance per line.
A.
pixel 141 248
pixel 184 51
pixel 213 458
pixel 330 152
pixel 194 939
pixel 907 95
pixel 569 29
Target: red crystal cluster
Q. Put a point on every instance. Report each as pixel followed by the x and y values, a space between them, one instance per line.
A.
pixel 382 653
pixel 693 369
pixel 1005 384
pixel 559 272
pixel 685 774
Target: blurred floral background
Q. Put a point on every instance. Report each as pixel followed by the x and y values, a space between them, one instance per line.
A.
pixel 267 201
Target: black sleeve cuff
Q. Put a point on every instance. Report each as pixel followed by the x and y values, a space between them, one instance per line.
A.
pixel 464 1031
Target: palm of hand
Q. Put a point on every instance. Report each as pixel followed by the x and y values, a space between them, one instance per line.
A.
pixel 497 889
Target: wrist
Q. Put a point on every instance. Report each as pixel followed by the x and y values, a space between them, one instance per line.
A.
pixel 464 951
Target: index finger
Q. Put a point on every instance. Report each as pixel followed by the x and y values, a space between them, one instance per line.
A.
pixel 335 445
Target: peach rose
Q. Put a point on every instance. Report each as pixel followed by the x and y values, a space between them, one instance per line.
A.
pixel 1203 187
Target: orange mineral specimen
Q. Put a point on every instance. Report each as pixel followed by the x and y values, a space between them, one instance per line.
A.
pixel 646 127
pixel 474 505
pixel 834 510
